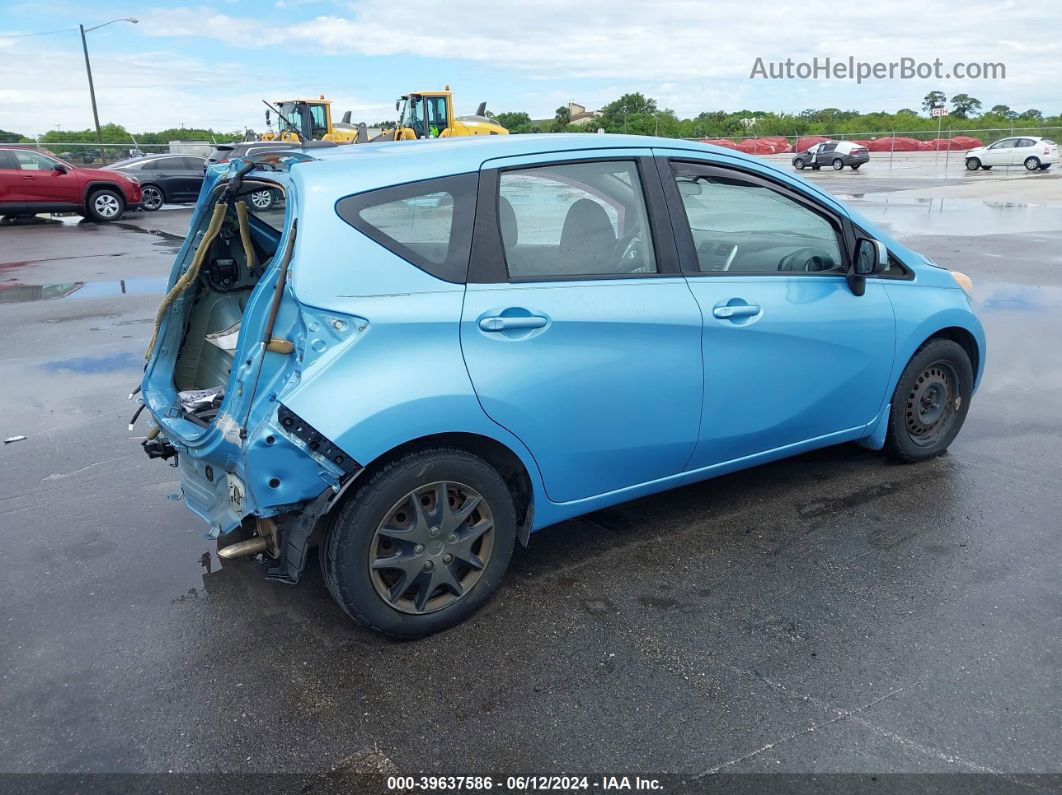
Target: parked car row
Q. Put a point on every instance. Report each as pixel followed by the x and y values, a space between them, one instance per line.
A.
pixel 34 181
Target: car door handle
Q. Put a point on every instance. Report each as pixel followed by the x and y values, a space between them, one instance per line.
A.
pixel 504 323
pixel 737 310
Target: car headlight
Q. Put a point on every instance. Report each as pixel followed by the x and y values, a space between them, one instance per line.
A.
pixel 964 281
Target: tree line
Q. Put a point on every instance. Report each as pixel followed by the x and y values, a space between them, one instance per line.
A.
pixel 637 114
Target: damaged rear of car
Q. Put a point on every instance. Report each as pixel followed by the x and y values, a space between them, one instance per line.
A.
pixel 223 349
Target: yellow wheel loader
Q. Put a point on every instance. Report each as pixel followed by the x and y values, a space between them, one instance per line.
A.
pixel 308 120
pixel 430 114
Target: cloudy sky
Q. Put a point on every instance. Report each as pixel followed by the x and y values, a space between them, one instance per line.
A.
pixel 210 65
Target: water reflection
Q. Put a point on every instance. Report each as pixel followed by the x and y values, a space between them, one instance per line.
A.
pixel 16 292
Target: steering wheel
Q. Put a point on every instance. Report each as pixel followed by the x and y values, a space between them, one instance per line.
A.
pixel 806 260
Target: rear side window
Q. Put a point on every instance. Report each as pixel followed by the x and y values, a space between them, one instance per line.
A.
pixel 575 219
pixel 427 223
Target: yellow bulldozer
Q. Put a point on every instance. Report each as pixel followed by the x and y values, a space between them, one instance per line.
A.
pixel 424 114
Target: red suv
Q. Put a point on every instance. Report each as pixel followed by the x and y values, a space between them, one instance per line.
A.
pixel 34 182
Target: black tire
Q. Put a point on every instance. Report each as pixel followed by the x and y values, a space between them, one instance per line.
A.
pixel 152 197
pixel 351 543
pixel 972 164
pixel 855 166
pixel 838 164
pixel 798 164
pixel 104 204
pixel 1045 166
pixel 930 403
pixel 1032 163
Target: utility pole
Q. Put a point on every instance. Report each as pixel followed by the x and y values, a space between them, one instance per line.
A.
pixel 92 91
pixel 88 71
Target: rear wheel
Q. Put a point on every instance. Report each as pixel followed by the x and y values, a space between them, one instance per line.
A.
pixel 972 164
pixel 105 205
pixel 1032 163
pixel 421 544
pixel 151 198
pixel 930 402
pixel 838 164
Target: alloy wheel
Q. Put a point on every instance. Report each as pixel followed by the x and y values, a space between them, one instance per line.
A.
pixel 262 199
pixel 150 198
pixel 106 205
pixel 431 548
pixel 932 404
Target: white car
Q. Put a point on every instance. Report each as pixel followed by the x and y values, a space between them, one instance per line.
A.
pixel 1033 153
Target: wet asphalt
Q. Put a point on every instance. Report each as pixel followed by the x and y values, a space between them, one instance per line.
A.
pixel 833 612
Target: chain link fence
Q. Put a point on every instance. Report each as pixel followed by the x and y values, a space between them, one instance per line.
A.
pixel 93 155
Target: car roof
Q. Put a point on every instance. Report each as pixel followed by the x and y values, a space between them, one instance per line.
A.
pixel 362 166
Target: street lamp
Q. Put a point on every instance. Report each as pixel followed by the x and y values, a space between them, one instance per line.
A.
pixel 88 70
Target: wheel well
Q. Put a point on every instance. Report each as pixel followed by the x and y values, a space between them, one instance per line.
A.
pixel 95 186
pixel 508 464
pixel 963 338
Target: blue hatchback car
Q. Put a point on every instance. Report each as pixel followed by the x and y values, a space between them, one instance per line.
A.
pixel 438 347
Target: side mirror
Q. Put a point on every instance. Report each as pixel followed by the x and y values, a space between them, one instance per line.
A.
pixel 871 257
pixel 59 168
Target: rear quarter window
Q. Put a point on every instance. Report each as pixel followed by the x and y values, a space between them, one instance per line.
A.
pixel 428 223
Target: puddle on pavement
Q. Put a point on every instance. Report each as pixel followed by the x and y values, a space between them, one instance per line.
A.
pixel 15 292
pixel 967 217
pixel 90 365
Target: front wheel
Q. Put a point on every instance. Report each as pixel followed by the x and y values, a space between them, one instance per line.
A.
pixel 1032 163
pixel 421 544
pixel 930 402
pixel 798 164
pixel 151 198
pixel 105 205
pixel 972 164
pixel 838 164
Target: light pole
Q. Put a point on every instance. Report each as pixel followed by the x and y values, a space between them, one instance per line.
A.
pixel 88 71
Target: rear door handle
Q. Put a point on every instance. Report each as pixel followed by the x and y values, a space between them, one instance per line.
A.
pixel 737 310
pixel 504 323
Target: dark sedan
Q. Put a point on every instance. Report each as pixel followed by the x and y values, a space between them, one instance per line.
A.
pixel 165 178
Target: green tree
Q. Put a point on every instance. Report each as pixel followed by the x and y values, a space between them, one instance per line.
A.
pixel 1003 111
pixel 934 99
pixel 1032 114
pixel 9 137
pixel 562 116
pixel 963 106
pixel 516 122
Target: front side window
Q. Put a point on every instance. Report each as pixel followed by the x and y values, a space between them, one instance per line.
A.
pixel 437 120
pixel 428 223
pixel 34 161
pixel 741 226
pixel 575 219
pixel 1006 143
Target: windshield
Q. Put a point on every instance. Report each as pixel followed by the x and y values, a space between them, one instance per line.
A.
pixel 290 120
pixel 417 107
